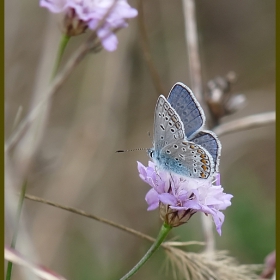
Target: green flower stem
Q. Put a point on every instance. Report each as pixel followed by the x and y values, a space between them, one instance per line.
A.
pixel 14 239
pixel 161 236
pixel 63 43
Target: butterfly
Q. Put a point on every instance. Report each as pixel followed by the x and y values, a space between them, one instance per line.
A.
pixel 180 145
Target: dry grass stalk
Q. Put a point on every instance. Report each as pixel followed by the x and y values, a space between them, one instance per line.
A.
pixel 189 266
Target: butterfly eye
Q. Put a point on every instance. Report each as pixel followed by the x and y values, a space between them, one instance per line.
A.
pixel 175 146
pixel 168 152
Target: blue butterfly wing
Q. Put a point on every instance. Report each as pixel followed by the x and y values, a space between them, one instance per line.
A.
pixel 185 104
pixel 211 143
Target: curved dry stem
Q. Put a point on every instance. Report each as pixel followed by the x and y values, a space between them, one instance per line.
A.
pixel 94 217
pixel 166 245
pixel 42 272
pixel 60 79
pixel 188 264
pixel 245 123
pixel 146 51
pixel 181 244
pixel 52 90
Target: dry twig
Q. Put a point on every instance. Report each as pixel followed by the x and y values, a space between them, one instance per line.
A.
pixel 196 85
pixel 245 123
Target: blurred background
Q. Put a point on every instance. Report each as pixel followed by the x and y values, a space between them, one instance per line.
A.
pixel 108 103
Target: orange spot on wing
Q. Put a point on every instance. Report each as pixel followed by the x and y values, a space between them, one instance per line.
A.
pixel 202 175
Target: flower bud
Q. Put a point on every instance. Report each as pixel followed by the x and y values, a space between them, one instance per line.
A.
pixel 174 217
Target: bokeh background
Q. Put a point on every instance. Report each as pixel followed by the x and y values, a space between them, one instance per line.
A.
pixel 108 104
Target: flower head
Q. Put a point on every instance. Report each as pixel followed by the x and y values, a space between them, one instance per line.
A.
pixel 180 197
pixel 83 14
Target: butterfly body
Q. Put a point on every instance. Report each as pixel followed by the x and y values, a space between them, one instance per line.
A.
pixel 179 144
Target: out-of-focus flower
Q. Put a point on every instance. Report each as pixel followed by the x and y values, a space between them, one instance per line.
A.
pixel 180 197
pixel 270 263
pixel 83 14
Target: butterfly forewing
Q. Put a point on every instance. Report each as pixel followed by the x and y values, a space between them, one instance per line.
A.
pixel 185 104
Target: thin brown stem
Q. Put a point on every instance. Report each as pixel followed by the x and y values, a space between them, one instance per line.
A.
pixel 91 44
pixel 83 213
pixel 245 123
pixel 196 85
pixel 192 49
pixel 51 91
pixel 144 42
pixel 166 245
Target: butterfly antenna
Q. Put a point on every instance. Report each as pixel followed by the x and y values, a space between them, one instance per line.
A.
pixel 131 150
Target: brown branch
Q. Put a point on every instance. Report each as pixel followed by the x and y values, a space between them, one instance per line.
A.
pixel 144 42
pixel 192 49
pixel 245 123
pixel 196 85
pixel 94 217
pixel 166 245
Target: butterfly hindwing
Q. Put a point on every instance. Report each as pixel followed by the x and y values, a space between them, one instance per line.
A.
pixel 188 159
pixel 209 141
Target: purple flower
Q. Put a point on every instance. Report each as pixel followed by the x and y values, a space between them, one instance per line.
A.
pixel 180 197
pixel 83 14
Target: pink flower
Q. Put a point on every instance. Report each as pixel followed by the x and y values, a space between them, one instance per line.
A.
pixel 180 197
pixel 83 14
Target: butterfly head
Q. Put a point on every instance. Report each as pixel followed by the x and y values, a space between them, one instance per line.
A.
pixel 151 153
